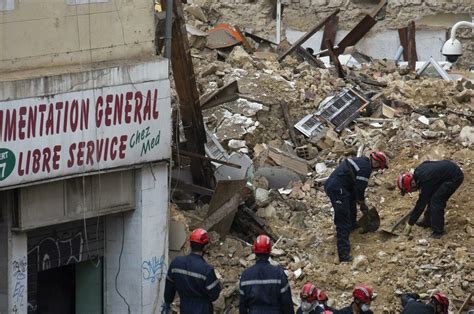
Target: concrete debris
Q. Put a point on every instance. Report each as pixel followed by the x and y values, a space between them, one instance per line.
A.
pixel 467 135
pixel 412 119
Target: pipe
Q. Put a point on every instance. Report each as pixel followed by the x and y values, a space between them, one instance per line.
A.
pixel 458 25
pixel 278 22
pixel 168 28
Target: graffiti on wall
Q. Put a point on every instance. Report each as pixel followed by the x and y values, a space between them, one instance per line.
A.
pixel 19 284
pixel 53 252
pixel 152 269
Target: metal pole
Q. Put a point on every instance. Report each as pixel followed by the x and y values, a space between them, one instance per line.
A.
pixel 278 22
pixel 168 28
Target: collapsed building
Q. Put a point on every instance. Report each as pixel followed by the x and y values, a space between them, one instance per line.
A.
pixel 241 144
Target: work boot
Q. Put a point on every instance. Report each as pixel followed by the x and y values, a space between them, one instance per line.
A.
pixel 345 259
pixel 424 224
pixel 437 234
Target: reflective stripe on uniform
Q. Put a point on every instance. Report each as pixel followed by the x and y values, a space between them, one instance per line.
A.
pixel 353 164
pixel 362 178
pixel 188 273
pixel 169 278
pixel 283 290
pixel 241 292
pixel 212 285
pixel 261 282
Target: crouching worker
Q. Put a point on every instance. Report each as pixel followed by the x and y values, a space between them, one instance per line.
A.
pixel 264 288
pixel 362 295
pixel 437 181
pixel 193 279
pixel 411 303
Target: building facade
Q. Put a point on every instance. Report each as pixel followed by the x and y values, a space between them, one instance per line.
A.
pixel 85 123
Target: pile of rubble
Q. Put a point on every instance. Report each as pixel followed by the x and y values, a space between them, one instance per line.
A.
pixel 411 118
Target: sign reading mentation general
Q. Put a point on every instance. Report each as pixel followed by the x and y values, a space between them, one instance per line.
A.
pixel 86 131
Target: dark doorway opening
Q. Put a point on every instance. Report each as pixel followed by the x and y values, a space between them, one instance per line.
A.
pixel 56 290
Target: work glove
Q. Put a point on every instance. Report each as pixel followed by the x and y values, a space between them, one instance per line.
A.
pixel 165 308
pixel 407 230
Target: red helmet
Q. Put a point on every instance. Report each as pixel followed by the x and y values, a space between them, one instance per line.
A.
pixel 381 158
pixel 404 182
pixel 363 293
pixel 322 297
pixel 262 245
pixel 442 300
pixel 309 292
pixel 199 236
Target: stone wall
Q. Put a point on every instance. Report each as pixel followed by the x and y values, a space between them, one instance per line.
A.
pixel 303 14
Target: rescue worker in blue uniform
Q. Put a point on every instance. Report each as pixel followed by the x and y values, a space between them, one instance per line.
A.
pixel 193 279
pixel 363 296
pixel 264 288
pixel 437 182
pixel 345 188
pixel 411 303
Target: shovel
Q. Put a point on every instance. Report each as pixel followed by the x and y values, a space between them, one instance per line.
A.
pixel 370 221
pixel 391 231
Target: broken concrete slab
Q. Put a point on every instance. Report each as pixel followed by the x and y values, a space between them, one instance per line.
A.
pixel 278 177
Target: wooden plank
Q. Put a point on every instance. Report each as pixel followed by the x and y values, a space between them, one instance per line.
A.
pixel 223 206
pixel 330 31
pixel 247 46
pixel 308 57
pixel 289 161
pixel 412 57
pixel 356 34
pixel 335 59
pixel 289 123
pixel 466 302
pixel 306 36
pixel 403 35
pixel 186 88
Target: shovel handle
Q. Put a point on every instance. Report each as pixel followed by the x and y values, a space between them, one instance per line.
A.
pixel 401 220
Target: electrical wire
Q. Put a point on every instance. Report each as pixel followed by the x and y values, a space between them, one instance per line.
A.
pixel 119 265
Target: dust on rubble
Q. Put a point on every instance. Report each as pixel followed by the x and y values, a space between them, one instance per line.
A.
pixel 433 120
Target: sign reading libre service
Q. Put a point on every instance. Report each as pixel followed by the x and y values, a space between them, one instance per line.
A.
pixel 86 131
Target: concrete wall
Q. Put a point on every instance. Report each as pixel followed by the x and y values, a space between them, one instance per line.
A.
pixel 144 233
pixel 58 32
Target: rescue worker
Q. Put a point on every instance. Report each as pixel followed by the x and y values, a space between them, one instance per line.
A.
pixel 411 303
pixel 437 181
pixel 313 301
pixel 193 279
pixel 323 299
pixel 362 295
pixel 345 188
pixel 264 288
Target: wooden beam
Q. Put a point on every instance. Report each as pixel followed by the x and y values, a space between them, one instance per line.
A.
pixel 289 123
pixel 412 57
pixel 306 36
pixel 186 88
pixel 356 34
pixel 403 35
pixel 378 8
pixel 335 59
pixel 330 31
pixel 218 161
